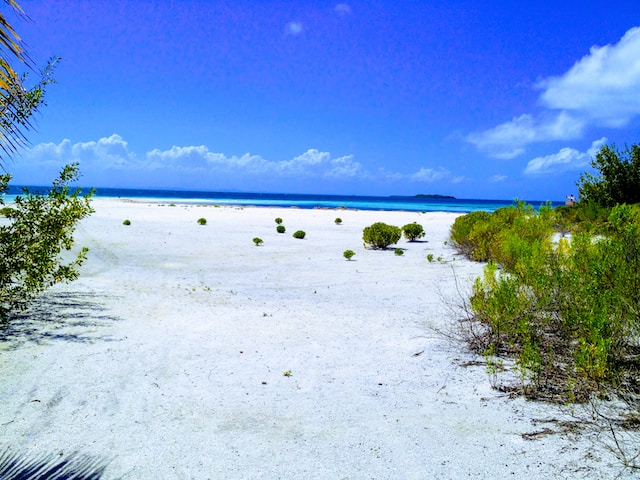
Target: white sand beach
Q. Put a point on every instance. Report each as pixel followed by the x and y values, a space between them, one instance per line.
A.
pixel 167 358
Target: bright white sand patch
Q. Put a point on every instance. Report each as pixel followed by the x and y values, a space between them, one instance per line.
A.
pixel 168 356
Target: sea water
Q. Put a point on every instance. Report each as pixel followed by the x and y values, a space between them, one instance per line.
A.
pixel 308 201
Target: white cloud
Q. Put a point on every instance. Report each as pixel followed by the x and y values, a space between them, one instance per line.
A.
pixel 428 175
pixel 342 9
pixel 603 86
pixel 498 178
pixel 602 89
pixel 510 139
pixel 294 28
pixel 566 159
pixel 112 153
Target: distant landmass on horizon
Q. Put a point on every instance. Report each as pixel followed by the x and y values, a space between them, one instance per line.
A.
pixel 433 195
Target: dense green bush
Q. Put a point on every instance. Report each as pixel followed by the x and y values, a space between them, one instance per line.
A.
pixel 567 312
pixel 299 234
pixel 281 229
pixel 258 241
pixel 380 235
pixel 399 252
pixel 202 221
pixel 413 231
pixel 348 254
pixel 39 228
pixel 126 222
pixel 278 220
pixel 338 221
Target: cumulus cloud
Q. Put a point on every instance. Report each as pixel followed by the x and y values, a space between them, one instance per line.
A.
pixel 509 139
pixel 603 86
pixel 566 159
pixel 342 9
pixel 112 153
pixel 601 89
pixel 294 28
pixel 428 175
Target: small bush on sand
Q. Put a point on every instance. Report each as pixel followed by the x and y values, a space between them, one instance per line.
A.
pixel 338 221
pixel 399 252
pixel 348 254
pixel 127 222
pixel 278 220
pixel 300 234
pixel 413 231
pixel 202 221
pixel 380 235
pixel 281 229
pixel 257 241
pixel 430 257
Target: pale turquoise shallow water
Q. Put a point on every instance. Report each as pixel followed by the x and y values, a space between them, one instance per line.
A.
pixel 302 201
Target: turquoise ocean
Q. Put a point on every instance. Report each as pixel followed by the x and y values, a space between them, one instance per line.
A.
pixel 308 201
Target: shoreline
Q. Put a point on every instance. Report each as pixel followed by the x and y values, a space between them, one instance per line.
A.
pixel 168 357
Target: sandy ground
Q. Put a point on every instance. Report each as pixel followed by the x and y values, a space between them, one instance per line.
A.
pixel 168 356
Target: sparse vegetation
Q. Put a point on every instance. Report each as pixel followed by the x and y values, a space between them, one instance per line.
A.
pixel 348 254
pixel 299 234
pixel 380 235
pixel 258 241
pixel 413 231
pixel 399 252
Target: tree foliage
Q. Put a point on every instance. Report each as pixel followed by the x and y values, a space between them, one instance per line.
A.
pixel 37 228
pixel 618 180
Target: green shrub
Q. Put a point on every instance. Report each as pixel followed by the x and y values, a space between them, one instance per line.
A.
pixel 430 257
pixel 300 234
pixel 127 222
pixel 348 254
pixel 380 235
pixel 278 220
pixel 257 241
pixel 399 252
pixel 39 229
pixel 202 221
pixel 413 231
pixel 281 229
pixel 338 221
pixel 567 313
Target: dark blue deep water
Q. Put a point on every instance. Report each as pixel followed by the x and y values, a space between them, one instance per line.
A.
pixel 419 204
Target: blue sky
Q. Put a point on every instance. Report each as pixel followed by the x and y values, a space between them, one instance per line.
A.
pixel 497 100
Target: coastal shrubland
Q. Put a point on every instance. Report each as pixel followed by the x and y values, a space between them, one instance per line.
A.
pixel 380 235
pixel 560 297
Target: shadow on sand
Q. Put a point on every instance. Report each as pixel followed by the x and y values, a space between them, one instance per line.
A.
pixel 58 316
pixel 17 466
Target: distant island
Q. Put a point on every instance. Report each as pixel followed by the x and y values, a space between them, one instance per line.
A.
pixel 433 195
